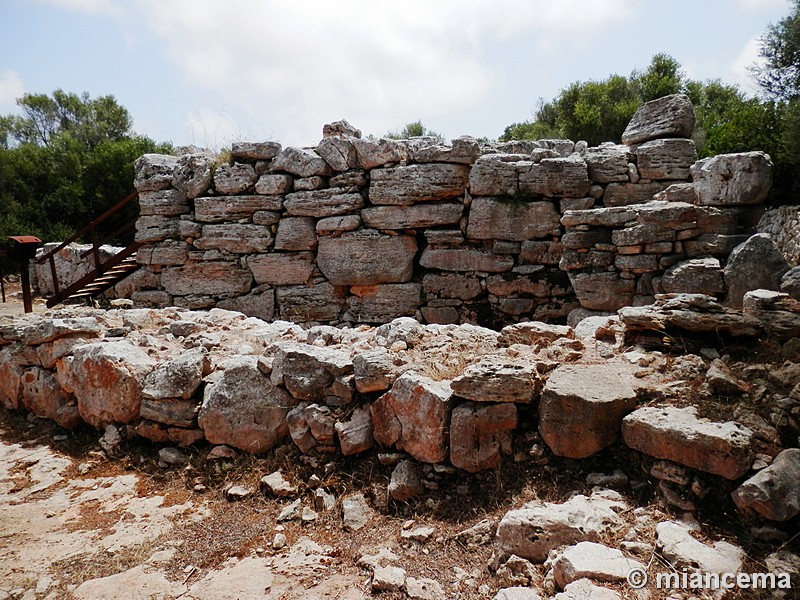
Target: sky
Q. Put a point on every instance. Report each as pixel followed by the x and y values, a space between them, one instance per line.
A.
pixel 211 72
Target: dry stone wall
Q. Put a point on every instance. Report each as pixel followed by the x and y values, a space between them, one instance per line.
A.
pixel 364 231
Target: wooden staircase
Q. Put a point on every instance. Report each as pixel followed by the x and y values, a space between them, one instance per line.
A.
pixel 105 273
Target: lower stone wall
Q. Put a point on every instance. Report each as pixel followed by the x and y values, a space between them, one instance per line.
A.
pixel 782 224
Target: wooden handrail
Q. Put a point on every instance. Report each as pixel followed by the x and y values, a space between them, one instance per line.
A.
pixel 89 227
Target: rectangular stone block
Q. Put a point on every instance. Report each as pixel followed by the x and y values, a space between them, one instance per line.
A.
pixel 490 218
pixel 417 183
pixel 216 209
pixel 465 259
pixel 451 286
pixel 322 203
pixel 163 202
pixel 412 217
pixel 235 238
pixel 281 268
pixel 303 303
pixel 382 303
pixel 625 194
pixel 367 257
pixel 212 278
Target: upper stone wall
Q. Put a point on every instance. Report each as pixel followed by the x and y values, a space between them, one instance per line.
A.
pixel 364 230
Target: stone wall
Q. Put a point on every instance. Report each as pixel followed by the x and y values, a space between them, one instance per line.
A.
pixel 364 231
pixel 782 224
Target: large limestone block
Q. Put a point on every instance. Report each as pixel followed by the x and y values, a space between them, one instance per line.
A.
pixel 355 434
pixel 582 408
pixel 374 370
pixel 296 233
pixel 243 409
pixel 463 150
pixel 677 544
pixel 414 416
pixel 10 379
pixel 603 291
pixel 480 434
pixel 216 209
pixel 106 378
pixel 626 194
pixel 306 371
pixel 206 278
pixel 52 329
pixel 679 435
pixel 256 304
pixel 179 377
pixel 303 303
pixel 382 303
pixel 42 395
pixel 755 264
pixel 156 228
pixel 412 217
pixel 499 379
pixel 367 257
pixel 376 153
pixel 732 179
pixel 417 183
pixel 592 561
pixel 666 117
pixel 274 184
pixel 497 174
pixel 534 333
pixel 255 150
pixel 163 202
pixel 666 158
pixel 235 179
pixel 302 162
pixel 154 172
pixel 773 492
pixel 281 268
pixel 695 276
pixel 451 286
pixel 607 162
pixel 557 177
pixel 338 152
pixel 492 218
pixel 235 238
pixel 465 259
pixel 599 217
pixel 322 203
pixel 532 531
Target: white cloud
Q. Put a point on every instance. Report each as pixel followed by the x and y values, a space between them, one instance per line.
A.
pixel 11 88
pixel 739 68
pixel 293 66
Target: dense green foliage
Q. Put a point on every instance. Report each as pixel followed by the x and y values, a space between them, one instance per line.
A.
pixel 415 129
pixel 65 161
pixel 727 120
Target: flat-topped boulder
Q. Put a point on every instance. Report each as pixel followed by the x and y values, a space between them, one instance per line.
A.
pixel 680 435
pixel 582 407
pixel 773 492
pixel 667 117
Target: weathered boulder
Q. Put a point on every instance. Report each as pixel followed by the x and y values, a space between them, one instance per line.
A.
pixel 417 183
pixel 411 217
pixel 163 202
pixel 340 128
pixel 679 435
pixel 514 220
pixel 44 397
pixel 695 276
pixel 235 238
pixel 155 228
pixel 405 482
pixel 255 150
pixel 215 209
pixel 274 184
pixel 755 264
pixel 533 333
pixel 497 174
pixel 306 371
pixel 154 172
pixel 773 492
pixel 376 153
pixel 451 286
pixel 592 561
pixel 603 291
pixel 666 158
pixel 206 278
pixel 301 303
pixel 355 434
pixel 367 257
pixel 607 162
pixel 374 370
pixel 465 259
pixel 480 434
pixel 666 117
pixel 179 377
pixel 499 378
pixel 732 179
pixel 532 531
pixel 560 177
pixel 627 194
pixel 106 379
pixel 242 408
pixel 463 150
pixel 582 407
pixel 584 589
pixel 303 162
pixel 296 233
pixel 790 283
pixel 381 303
pixel 281 268
pixel 235 179
pixel 322 203
pixel 414 416
pixel 339 152
pixel 676 543
pixel 259 304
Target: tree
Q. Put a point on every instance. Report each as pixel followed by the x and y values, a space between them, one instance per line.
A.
pixel 415 129
pixel 779 76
